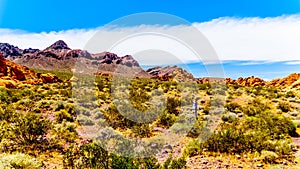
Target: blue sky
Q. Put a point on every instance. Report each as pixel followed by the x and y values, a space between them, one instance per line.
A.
pixel 57 15
pixel 251 37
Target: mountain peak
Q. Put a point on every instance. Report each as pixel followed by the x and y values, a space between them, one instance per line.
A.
pixel 9 50
pixel 60 44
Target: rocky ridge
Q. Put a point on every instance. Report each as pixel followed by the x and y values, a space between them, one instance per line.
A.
pixel 60 57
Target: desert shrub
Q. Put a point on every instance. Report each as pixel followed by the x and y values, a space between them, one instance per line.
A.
pixel 269 157
pixel 63 115
pixel 171 163
pixel 255 107
pixel 206 110
pixel 180 128
pixel 193 148
pixel 204 86
pixel 123 162
pixel 93 155
pixel 196 129
pixel 25 105
pixel 233 106
pixel 86 156
pixel 29 128
pixel 149 163
pixel 115 119
pixel 251 110
pixel 178 163
pixel 173 105
pixel 284 106
pixel 142 130
pixel 19 161
pixel 8 113
pixel 219 90
pixel 253 134
pixel 85 121
pixel 59 105
pixel 166 119
pixel 65 132
pixel 290 94
pixel 229 117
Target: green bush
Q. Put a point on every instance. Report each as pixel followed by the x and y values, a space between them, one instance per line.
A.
pixel 30 128
pixel 284 106
pixel 19 161
pixel 65 132
pixel 142 130
pixel 253 134
pixel 63 115
pixel 233 107
pixel 193 148
pixel 167 119
pixel 171 163
pixel 93 155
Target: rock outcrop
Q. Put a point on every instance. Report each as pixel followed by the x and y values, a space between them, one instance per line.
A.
pixel 12 74
pixel 10 50
pixel 248 81
pixel 170 73
pixel 290 81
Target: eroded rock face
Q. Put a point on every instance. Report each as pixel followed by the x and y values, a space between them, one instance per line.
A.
pixel 289 81
pixel 170 73
pixel 48 78
pixel 248 81
pixel 12 74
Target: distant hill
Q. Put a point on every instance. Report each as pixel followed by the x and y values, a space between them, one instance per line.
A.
pixel 170 73
pixel 59 57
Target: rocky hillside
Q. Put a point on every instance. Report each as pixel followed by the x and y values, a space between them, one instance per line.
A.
pixel 291 81
pixel 170 73
pixel 12 75
pixel 248 81
pixel 60 57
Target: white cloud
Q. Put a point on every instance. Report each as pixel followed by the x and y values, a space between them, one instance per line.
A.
pixel 292 62
pixel 75 38
pixel 247 39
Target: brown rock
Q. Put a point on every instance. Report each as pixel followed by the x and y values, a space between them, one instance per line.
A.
pixel 49 78
pixel 8 83
pixel 170 73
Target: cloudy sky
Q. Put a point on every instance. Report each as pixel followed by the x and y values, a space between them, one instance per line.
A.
pixel 252 31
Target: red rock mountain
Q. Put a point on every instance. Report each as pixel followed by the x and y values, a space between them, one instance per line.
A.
pixel 12 74
pixel 60 57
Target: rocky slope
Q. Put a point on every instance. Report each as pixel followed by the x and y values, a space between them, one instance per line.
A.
pixel 12 75
pixel 170 73
pixel 248 81
pixel 291 81
pixel 59 57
